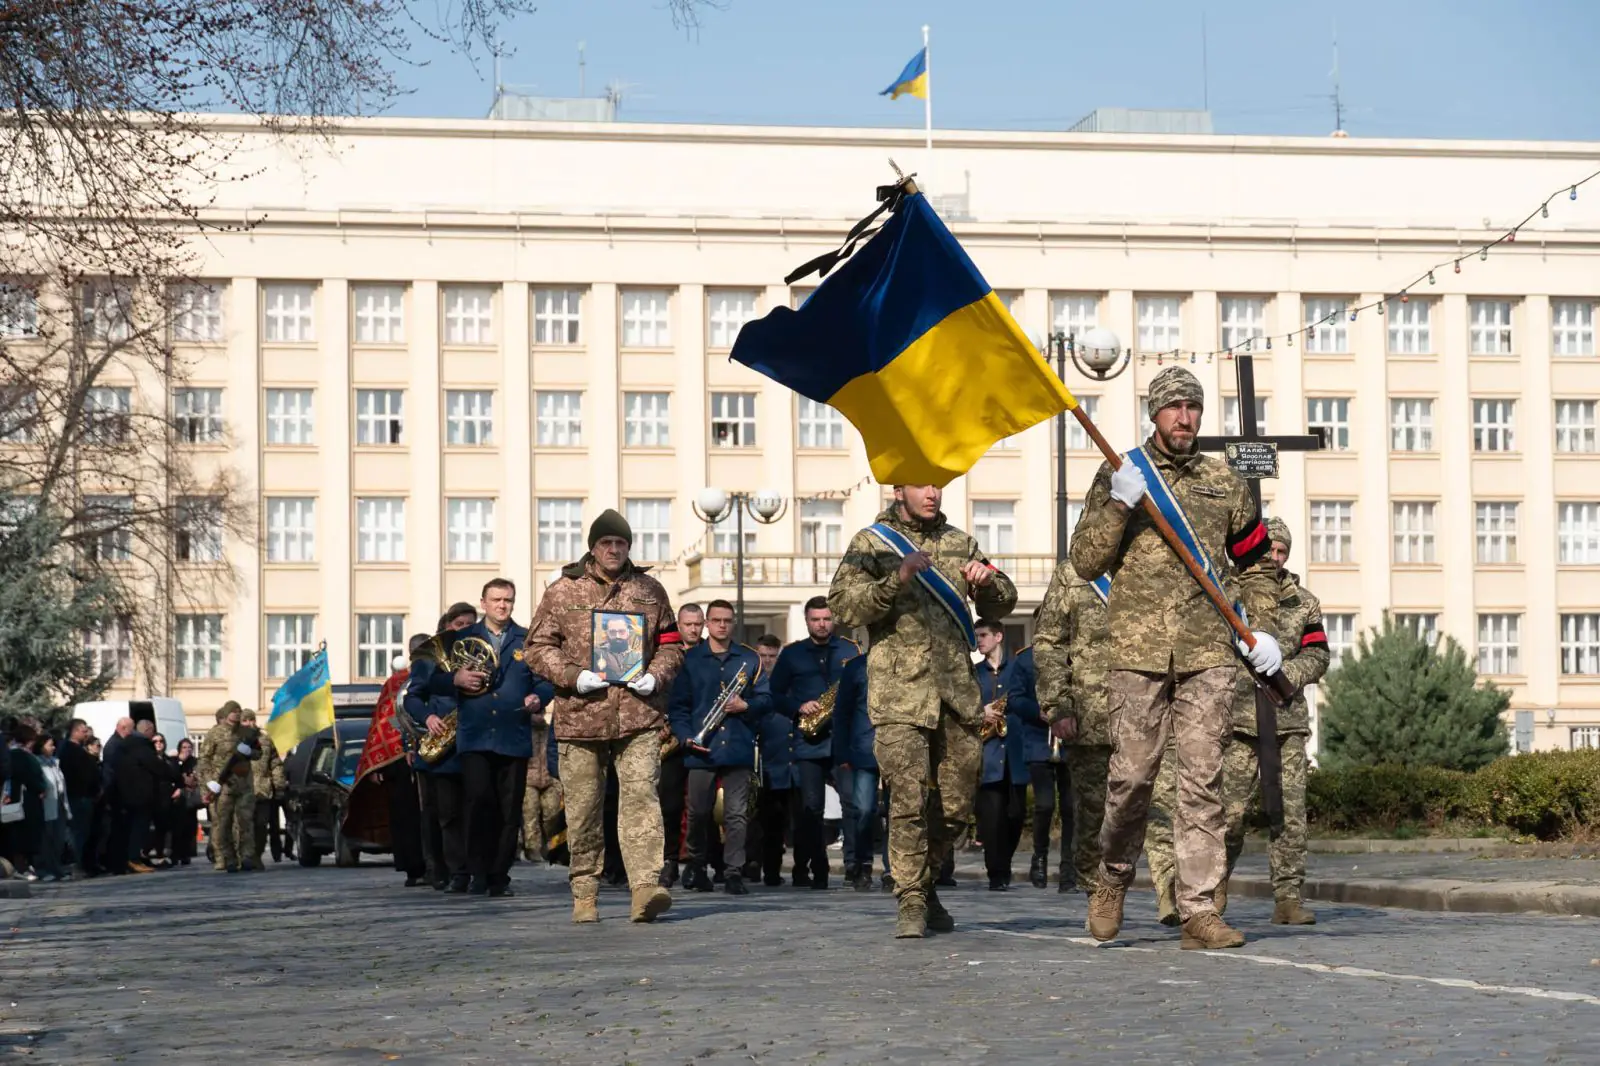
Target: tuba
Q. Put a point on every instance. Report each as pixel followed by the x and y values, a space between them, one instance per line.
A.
pixel 463 653
pixel 813 725
pixel 989 732
pixel 701 741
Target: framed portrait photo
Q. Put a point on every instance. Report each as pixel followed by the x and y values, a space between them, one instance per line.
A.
pixel 616 642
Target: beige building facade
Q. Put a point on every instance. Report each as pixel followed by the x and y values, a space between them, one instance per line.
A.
pixel 444 347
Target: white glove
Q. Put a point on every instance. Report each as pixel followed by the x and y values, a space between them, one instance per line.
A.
pixel 245 749
pixel 642 685
pixel 216 789
pixel 1127 484
pixel 589 681
pixel 1266 657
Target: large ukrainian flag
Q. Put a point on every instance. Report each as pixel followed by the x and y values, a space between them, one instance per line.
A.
pixel 909 343
pixel 913 81
pixel 303 706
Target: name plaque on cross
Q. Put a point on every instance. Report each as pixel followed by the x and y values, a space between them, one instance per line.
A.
pixel 1253 459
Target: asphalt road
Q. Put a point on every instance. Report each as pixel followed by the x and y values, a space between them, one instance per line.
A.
pixel 347 966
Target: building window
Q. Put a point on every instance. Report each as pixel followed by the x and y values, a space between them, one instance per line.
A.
pixel 1572 327
pixel 380 314
pixel 1497 532
pixel 820 426
pixel 1230 415
pixel 469 416
pixel 108 648
pixel 1425 626
pixel 994 526
pixel 469 528
pixel 379 639
pixel 821 527
pixel 290 644
pixel 1074 313
pixel 1494 425
pixel 647 419
pixel 1331 415
pixel 107 414
pixel 108 521
pixel 1578 533
pixel 1413 532
pixel 725 534
pixel 1411 425
pixel 1499 644
pixel 1575 426
pixel 1341 630
pixel 198 536
pixel 1147 425
pixel 1160 323
pixel 197 415
pixel 1410 330
pixel 1326 332
pixel 197 313
pixel 1580 644
pixel 1074 513
pixel 733 420
pixel 19 414
pixel 1522 732
pixel 197 646
pixel 287 316
pixel 557 316
pixel 1584 737
pixel 646 320
pixel 1491 326
pixel 560 530
pixel 558 419
pixel 1077 439
pixel 19 311
pixel 729 310
pixel 1332 531
pixel 651 522
pixel 380 415
pixel 469 314
pixel 289 416
pixel 107 313
pixel 1244 318
pixel 291 529
pixel 381 529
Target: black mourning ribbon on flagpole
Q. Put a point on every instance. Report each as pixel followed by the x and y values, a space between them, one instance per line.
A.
pixel 889 199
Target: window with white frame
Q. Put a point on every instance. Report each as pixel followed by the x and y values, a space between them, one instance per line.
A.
pixel 1341 630
pixel 1580 643
pixel 198 529
pixel 1160 323
pixel 197 415
pixel 468 314
pixel 1572 327
pixel 557 316
pixel 799 295
pixel 19 310
pixel 733 420
pixel 379 639
pixel 1327 325
pixel 109 522
pixel 1077 439
pixel 107 411
pixel 1494 425
pixel 1147 425
pixel 380 415
pixel 1499 644
pixel 469 417
pixel 19 414
pixel 380 314
pixel 1074 313
pixel 1413 531
pixel 469 530
pixel 560 530
pixel 291 529
pixel 381 529
pixel 725 534
pixel 651 522
pixel 287 316
pixel 1491 326
pixel 197 313
pixel 290 416
pixel 646 318
pixel 1583 737
pixel 1578 533
pixel 290 642
pixel 108 648
pixel 647 419
pixel 994 526
pixel 558 419
pixel 1411 425
pixel 197 646
pixel 14 510
pixel 821 527
pixel 1575 426
pixel 1425 625
pixel 1074 513
pixel 1332 529
pixel 727 312
pixel 1244 318
pixel 1410 327
pixel 107 312
pixel 819 426
pixel 1331 415
pixel 1497 531
pixel 1230 415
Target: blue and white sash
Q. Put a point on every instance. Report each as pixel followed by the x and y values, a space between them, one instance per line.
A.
pixel 1161 494
pixel 1101 586
pixel 944 593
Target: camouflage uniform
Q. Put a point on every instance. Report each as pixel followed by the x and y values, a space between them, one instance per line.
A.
pixel 271 786
pixel 541 802
pixel 1069 645
pixel 232 813
pixel 922 694
pixel 1171 658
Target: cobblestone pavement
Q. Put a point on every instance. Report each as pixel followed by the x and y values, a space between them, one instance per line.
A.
pixel 347 966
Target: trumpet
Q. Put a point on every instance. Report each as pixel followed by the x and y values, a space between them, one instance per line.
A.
pixel 463 653
pixel 989 732
pixel 813 725
pixel 701 741
pixel 1056 753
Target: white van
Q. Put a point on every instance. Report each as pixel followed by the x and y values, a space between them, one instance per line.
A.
pixel 167 714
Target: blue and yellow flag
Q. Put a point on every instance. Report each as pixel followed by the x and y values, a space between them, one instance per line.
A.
pixel 913 81
pixel 909 343
pixel 303 706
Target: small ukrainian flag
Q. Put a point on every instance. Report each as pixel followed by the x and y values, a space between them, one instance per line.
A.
pixel 913 81
pixel 303 706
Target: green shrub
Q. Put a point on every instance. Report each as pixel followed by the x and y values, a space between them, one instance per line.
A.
pixel 1548 795
pixel 1383 797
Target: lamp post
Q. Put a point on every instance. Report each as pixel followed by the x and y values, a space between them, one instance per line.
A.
pixel 765 506
pixel 1100 349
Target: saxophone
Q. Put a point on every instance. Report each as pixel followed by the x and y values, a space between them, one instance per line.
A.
pixel 464 653
pixel 815 724
pixel 990 732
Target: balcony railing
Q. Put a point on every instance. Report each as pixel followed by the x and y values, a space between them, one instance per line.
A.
pixel 791 571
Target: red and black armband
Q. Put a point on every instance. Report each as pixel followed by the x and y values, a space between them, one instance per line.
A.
pixel 1314 636
pixel 1248 545
pixel 668 634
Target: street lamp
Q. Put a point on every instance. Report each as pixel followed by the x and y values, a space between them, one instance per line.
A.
pixel 1100 349
pixel 765 506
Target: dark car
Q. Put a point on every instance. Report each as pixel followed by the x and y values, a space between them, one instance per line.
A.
pixel 321 772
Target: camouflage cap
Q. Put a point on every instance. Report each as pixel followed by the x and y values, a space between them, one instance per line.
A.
pixel 1278 532
pixel 247 715
pixel 231 707
pixel 1171 385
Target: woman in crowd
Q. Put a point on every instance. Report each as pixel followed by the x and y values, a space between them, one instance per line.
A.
pixel 24 838
pixel 156 851
pixel 53 835
pixel 183 820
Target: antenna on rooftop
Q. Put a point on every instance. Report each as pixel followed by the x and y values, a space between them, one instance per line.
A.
pixel 1338 99
pixel 580 67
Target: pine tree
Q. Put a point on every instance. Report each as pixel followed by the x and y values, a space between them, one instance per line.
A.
pixel 1399 700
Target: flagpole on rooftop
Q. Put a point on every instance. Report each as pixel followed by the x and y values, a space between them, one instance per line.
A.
pixel 927 104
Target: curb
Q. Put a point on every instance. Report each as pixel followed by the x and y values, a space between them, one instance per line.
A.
pixel 1257 845
pixel 1433 894
pixel 13 889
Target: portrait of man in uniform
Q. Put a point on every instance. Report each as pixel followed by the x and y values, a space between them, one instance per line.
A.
pixel 617 646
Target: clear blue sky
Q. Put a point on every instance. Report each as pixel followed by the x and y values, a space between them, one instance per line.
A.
pixel 1412 68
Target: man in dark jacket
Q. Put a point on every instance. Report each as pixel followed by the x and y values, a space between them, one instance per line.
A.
pixel 140 782
pixel 82 774
pixel 769 831
pixel 1003 780
pixel 852 753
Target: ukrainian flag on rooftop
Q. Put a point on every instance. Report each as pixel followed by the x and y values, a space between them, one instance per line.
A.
pixel 908 341
pixel 913 81
pixel 303 706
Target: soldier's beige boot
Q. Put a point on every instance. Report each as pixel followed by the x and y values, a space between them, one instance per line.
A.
pixel 1105 911
pixel 1292 912
pixel 1219 898
pixel 649 903
pixel 912 922
pixel 939 920
pixel 585 909
pixel 1209 932
pixel 1167 904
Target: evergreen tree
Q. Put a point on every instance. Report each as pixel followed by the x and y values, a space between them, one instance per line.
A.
pixel 1400 701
